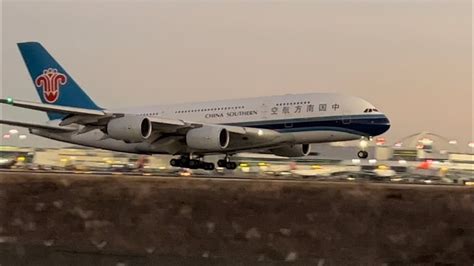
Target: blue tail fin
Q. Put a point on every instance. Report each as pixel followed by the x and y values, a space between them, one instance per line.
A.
pixel 53 84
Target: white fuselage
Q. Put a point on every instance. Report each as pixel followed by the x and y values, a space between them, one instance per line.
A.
pixel 309 118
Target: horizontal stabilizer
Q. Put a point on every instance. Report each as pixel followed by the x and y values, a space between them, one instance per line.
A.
pixel 52 108
pixel 37 126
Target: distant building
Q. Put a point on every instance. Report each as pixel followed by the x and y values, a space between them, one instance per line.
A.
pixel 424 146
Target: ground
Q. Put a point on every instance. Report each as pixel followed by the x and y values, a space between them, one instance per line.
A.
pixel 77 219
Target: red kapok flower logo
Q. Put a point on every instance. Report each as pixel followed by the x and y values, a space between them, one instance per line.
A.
pixel 51 80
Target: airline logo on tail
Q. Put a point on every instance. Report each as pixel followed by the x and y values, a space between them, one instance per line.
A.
pixel 51 80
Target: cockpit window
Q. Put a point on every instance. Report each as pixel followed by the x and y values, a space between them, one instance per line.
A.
pixel 370 110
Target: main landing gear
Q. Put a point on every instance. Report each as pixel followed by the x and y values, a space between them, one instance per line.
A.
pixel 186 162
pixel 225 163
pixel 363 154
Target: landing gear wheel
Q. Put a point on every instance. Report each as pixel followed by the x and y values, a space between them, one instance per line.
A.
pixel 221 163
pixel 231 165
pixel 194 164
pixel 208 166
pixel 226 163
pixel 362 154
pixel 175 162
pixel 183 161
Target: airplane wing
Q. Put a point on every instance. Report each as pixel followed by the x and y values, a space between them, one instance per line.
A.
pixel 93 119
pixel 38 126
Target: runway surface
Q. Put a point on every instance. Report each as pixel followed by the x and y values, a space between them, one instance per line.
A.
pixel 90 175
pixel 78 219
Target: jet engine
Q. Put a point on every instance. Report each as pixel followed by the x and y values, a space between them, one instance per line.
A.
pixel 297 150
pixel 130 129
pixel 208 138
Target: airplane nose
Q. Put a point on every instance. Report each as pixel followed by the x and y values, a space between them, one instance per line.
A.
pixel 383 125
pixel 371 126
pixel 376 126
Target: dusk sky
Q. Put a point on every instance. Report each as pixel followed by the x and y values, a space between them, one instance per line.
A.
pixel 412 59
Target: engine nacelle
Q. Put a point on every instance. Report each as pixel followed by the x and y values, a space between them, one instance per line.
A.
pixel 129 128
pixel 297 150
pixel 208 138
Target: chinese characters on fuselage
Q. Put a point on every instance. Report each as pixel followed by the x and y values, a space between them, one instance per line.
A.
pixel 309 108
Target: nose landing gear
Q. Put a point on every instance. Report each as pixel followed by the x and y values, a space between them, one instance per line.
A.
pixel 363 154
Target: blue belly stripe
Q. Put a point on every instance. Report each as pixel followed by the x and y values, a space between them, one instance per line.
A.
pixel 360 125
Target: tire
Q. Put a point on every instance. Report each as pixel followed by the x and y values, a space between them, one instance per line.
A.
pixel 194 164
pixel 221 163
pixel 174 163
pixel 362 154
pixel 209 166
pixel 231 165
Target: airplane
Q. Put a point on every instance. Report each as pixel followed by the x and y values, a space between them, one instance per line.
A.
pixel 283 125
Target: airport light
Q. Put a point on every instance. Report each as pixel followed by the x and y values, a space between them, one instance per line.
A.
pixel 402 162
pixel 356 161
pixel 6 136
pixel 13 131
pixel 260 132
pixel 453 142
pixel 9 100
pixel 372 161
pixel 398 144
pixel 379 141
pixel 471 144
pixel 22 137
